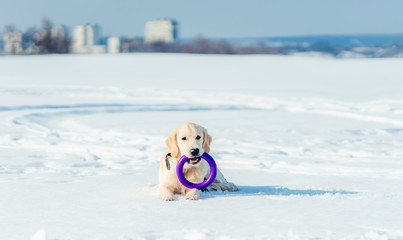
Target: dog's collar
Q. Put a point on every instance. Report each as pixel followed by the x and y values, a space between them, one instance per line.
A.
pixel 167 161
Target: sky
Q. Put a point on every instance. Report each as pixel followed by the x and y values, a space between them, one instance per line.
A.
pixel 214 18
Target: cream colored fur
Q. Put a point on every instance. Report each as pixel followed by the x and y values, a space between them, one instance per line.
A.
pixel 180 142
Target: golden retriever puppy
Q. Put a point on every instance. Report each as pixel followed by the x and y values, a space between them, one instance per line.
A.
pixel 191 140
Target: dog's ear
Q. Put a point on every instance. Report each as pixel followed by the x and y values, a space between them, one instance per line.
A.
pixel 172 144
pixel 206 141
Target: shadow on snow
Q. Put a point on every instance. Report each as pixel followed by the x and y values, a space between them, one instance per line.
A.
pixel 116 108
pixel 273 191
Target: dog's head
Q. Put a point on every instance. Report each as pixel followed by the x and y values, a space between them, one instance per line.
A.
pixel 190 140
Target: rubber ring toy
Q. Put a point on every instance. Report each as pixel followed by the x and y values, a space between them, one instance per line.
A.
pixel 207 182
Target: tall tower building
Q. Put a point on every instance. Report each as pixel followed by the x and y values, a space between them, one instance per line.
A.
pixel 163 30
pixel 92 34
pixel 86 39
pixel 79 36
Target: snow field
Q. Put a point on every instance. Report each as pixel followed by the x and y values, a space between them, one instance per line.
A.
pixel 315 146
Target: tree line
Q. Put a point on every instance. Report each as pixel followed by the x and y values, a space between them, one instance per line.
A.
pixel 199 45
pixel 44 40
pixel 51 38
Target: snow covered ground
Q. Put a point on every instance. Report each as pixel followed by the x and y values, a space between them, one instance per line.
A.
pixel 315 146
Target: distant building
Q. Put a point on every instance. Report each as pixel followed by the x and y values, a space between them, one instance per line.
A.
pixel 60 41
pixel 164 30
pixel 58 31
pixel 12 42
pixel 86 39
pixel 79 37
pixel 113 45
pixel 30 45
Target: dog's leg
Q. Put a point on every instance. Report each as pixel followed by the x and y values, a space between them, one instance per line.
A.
pixel 193 194
pixel 220 183
pixel 166 193
pixel 166 179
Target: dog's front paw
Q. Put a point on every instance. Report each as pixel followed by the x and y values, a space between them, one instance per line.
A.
pixel 167 198
pixel 193 195
pixel 166 195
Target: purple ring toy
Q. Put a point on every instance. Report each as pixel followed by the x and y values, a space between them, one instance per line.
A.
pixel 209 180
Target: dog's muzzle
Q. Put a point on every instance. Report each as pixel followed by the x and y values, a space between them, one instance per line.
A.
pixel 194 160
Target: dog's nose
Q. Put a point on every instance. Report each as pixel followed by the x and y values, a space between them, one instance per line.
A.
pixel 194 151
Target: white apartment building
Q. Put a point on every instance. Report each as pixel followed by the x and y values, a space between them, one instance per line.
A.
pixel 86 39
pixel 113 45
pixel 12 42
pixel 58 31
pixel 163 30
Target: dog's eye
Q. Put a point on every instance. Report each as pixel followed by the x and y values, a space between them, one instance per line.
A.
pixel 198 137
pixel 184 138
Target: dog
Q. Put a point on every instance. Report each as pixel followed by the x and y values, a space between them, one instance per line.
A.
pixel 191 140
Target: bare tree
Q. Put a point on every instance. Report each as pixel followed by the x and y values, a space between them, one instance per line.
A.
pixel 53 38
pixel 30 37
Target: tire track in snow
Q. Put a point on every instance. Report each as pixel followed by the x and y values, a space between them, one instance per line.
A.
pixel 363 111
pixel 50 130
pixel 37 118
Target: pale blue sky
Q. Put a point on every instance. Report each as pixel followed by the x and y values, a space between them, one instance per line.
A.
pixel 215 18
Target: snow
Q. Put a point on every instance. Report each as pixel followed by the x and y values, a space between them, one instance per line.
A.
pixel 40 235
pixel 314 144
